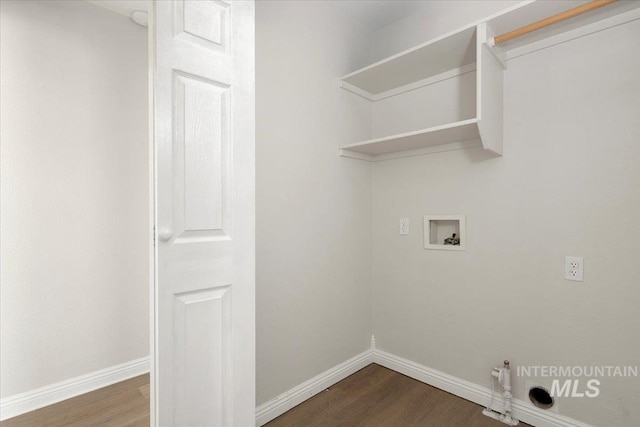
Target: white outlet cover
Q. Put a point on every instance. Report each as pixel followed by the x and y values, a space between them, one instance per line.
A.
pixel 574 268
pixel 404 225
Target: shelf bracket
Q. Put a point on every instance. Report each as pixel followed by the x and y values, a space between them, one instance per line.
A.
pixel 354 155
pixel 489 86
pixel 357 91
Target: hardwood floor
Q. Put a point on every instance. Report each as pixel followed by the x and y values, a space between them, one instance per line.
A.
pixel 373 396
pixel 122 404
pixel 377 396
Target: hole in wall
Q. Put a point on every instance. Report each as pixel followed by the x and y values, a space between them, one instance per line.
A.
pixel 540 397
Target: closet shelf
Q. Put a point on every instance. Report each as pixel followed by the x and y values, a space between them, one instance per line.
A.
pixel 435 57
pixel 438 138
pixel 429 63
pixel 456 49
pixel 457 53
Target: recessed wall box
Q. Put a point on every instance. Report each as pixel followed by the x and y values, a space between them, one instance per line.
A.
pixel 445 232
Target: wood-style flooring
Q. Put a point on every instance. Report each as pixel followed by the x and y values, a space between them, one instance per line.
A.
pixel 122 404
pixel 379 397
pixel 373 397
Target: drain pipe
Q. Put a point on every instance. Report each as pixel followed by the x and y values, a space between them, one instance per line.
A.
pixel 503 375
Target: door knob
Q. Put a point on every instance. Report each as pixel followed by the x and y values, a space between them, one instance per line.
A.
pixel 165 235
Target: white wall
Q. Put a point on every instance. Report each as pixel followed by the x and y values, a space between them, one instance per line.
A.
pixel 567 185
pixel 313 255
pixel 416 109
pixel 74 293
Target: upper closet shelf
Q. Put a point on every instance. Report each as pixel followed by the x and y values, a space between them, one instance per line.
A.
pixel 456 49
pixel 429 59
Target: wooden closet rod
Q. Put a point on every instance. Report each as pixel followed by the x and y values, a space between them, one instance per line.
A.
pixel 551 20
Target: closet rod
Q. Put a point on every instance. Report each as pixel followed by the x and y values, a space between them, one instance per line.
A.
pixel 551 20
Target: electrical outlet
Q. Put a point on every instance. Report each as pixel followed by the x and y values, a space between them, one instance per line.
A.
pixel 574 268
pixel 404 225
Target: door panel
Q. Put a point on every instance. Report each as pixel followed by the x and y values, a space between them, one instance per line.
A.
pixel 203 112
pixel 201 159
pixel 203 357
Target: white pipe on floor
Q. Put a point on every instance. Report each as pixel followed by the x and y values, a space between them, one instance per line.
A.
pixel 503 375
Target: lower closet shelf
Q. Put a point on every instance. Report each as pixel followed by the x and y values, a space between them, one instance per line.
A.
pixel 452 136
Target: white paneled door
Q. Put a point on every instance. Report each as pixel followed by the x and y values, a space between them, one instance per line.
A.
pixel 203 127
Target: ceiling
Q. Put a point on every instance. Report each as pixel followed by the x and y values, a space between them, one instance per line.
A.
pixel 370 14
pixel 123 7
pixel 376 14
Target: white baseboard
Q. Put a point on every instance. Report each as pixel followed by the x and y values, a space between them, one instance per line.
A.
pixel 54 393
pixel 19 404
pixel 522 410
pixel 281 404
